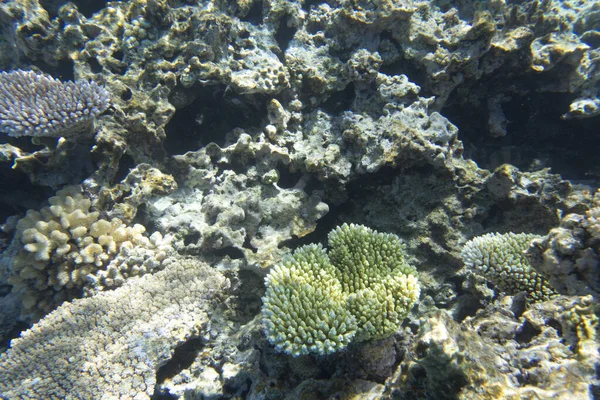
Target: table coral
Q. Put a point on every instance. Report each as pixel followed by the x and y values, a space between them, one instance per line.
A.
pixel 111 345
pixel 34 104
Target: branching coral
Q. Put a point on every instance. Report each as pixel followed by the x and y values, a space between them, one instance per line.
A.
pixel 318 302
pixel 501 259
pixel 33 104
pixel 66 246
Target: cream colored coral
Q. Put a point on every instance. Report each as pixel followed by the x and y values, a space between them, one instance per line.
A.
pixel 501 259
pixel 111 345
pixel 67 246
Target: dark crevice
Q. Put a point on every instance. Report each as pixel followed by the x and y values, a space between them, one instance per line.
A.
pixel 467 306
pixel 288 179
pixel 340 101
pixel 248 245
pixel 118 55
pixel 284 34
pixel 494 217
pixel 214 112
pixel 126 95
pixel 64 70
pixel 183 357
pixel 14 333
pixel 255 15
pixel 191 238
pixel 232 252
pixel 95 65
pixel 537 136
pixel 325 225
pixel 526 333
pixel 86 7
pixel 556 325
pixel 142 217
pixel 247 295
pixel 126 164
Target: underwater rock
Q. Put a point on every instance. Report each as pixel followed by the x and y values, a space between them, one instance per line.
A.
pixel 569 255
pixel 498 355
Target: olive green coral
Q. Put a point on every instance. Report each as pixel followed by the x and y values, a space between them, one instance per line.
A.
pixel 318 302
pixel 501 259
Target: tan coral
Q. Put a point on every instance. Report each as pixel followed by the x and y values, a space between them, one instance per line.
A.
pixel 66 247
pixel 114 342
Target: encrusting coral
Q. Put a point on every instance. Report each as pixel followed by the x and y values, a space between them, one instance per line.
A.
pixel 318 302
pixel 111 345
pixel 501 259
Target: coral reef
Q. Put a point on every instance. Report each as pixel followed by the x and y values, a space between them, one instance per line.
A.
pixel 231 199
pixel 495 355
pixel 317 301
pixel 112 344
pixel 570 254
pixel 501 259
pixel 65 246
pixel 239 131
pixel 304 308
pixel 38 105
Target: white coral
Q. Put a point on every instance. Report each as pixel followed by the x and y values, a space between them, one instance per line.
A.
pixel 114 341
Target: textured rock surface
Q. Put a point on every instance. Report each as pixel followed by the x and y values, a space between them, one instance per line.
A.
pixel 498 355
pixel 570 254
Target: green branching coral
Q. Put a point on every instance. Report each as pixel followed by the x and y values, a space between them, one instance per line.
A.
pixel 318 302
pixel 501 259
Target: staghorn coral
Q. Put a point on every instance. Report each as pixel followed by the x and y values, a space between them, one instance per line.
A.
pixel 67 246
pixel 381 286
pixel 304 306
pixel 111 345
pixel 317 303
pixel 33 104
pixel 501 259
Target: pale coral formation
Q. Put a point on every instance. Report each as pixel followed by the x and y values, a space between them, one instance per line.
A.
pixel 112 345
pixel 501 259
pixel 67 246
pixel 318 301
pixel 34 104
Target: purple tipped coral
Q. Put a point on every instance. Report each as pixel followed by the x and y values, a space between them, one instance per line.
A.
pixel 33 104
